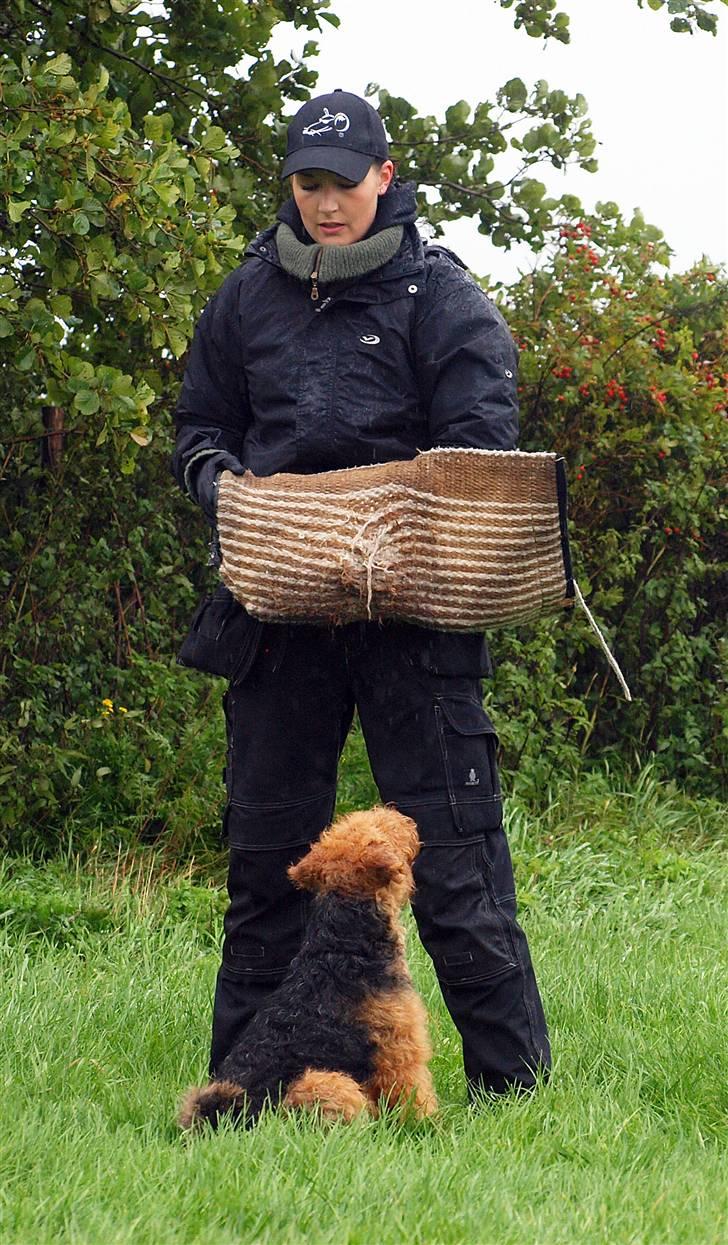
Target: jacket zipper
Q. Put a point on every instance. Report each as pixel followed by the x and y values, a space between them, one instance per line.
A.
pixel 314 276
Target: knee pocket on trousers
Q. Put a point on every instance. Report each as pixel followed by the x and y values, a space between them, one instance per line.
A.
pixel 267 913
pixel 462 926
pixel 468 744
pixel 265 919
pixel 284 826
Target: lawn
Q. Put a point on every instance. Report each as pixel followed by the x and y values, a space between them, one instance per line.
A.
pixel 107 971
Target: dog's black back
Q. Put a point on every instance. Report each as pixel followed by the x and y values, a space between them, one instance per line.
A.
pixel 349 953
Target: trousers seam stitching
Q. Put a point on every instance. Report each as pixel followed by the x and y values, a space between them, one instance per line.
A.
pixel 526 1003
pixel 268 847
pixel 464 981
pixel 314 799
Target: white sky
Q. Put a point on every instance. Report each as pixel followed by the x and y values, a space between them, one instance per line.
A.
pixel 658 102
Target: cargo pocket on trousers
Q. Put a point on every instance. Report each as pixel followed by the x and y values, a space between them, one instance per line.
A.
pixel 468 743
pixel 463 930
pixel 265 920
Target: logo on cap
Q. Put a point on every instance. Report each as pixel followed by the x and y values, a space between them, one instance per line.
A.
pixel 336 121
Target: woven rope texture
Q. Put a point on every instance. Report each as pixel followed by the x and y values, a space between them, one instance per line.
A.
pixel 459 540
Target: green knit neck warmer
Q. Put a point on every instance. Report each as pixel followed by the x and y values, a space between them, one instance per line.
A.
pixel 336 263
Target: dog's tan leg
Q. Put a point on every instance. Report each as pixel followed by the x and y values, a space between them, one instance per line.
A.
pixel 413 1093
pixel 397 1022
pixel 336 1095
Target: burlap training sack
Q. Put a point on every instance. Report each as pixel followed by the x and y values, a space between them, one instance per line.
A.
pixel 458 540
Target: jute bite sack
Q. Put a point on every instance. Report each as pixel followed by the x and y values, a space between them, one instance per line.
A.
pixel 458 540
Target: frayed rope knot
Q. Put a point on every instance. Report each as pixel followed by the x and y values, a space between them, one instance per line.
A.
pixel 369 553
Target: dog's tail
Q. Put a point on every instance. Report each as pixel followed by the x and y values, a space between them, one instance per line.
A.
pixel 211 1103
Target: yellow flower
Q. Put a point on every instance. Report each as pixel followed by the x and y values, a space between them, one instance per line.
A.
pixel 109 703
pixel 122 709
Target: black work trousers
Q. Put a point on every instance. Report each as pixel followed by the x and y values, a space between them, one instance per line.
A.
pixel 432 750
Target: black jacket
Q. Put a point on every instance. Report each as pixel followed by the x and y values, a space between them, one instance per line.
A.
pixel 410 356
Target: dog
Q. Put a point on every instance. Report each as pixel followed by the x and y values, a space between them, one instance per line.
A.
pixel 345 1034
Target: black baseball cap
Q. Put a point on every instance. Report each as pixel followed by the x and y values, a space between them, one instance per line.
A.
pixel 340 132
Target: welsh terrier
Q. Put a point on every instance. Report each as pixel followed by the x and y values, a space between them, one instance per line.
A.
pixel 346 1032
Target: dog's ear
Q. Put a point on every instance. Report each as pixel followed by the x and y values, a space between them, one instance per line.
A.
pixel 402 829
pixel 308 873
pixel 381 862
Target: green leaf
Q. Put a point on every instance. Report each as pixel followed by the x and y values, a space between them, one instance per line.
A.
pixel 155 126
pixel 61 305
pixel 177 341
pixel 214 138
pixel 86 401
pixel 515 93
pixel 707 21
pixel 168 192
pixel 60 65
pixel 17 207
pixel 457 114
pixel 81 224
pixel 6 328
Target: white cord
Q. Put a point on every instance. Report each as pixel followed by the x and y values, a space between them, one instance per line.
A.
pixel 595 628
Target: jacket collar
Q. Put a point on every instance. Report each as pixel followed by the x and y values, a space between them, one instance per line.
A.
pixel 397 207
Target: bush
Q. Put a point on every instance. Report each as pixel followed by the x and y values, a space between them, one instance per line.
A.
pixel 624 372
pixel 101 733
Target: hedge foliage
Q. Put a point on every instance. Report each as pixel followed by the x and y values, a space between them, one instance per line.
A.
pixel 625 372
pixel 125 195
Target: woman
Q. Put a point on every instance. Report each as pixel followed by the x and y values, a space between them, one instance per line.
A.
pixel 342 341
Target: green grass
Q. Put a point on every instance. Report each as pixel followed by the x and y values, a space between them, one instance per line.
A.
pixel 107 973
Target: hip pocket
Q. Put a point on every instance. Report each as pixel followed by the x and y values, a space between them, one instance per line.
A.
pixel 452 654
pixel 468 743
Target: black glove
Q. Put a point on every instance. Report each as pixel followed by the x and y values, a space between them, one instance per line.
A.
pixel 204 487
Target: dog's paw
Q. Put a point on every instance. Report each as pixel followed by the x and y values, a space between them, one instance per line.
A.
pixel 209 1103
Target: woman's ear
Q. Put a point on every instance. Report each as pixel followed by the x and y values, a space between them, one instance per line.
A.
pixel 386 173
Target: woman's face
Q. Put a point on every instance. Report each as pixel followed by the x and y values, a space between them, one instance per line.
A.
pixel 335 210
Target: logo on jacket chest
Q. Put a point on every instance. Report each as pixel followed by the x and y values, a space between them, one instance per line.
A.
pixel 370 339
